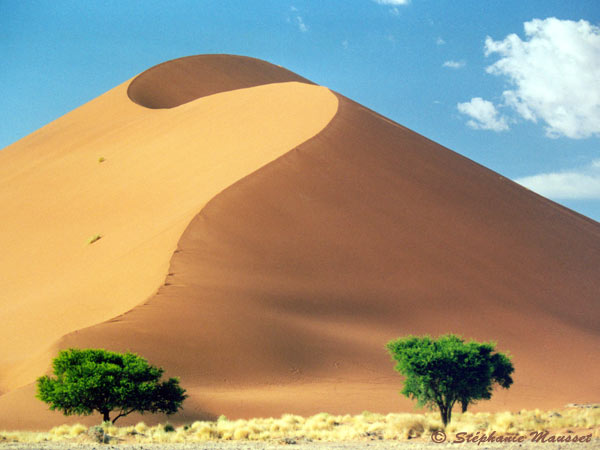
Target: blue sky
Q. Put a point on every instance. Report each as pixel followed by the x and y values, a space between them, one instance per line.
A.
pixel 513 85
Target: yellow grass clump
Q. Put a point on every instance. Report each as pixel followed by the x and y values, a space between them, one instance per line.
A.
pixel 328 427
pixel 140 427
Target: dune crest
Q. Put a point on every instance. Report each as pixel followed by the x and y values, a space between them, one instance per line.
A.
pixel 182 80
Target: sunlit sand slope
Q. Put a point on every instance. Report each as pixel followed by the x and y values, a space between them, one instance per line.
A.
pixel 158 169
pixel 285 288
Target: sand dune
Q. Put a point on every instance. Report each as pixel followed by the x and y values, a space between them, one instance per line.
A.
pixel 160 168
pixel 286 285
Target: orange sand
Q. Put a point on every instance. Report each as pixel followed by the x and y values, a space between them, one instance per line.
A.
pixel 160 169
pixel 309 232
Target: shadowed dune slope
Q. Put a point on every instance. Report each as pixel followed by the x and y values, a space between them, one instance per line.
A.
pixel 285 288
pixel 185 79
pixel 135 177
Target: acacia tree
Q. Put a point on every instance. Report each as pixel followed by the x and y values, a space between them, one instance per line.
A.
pixel 91 380
pixel 447 370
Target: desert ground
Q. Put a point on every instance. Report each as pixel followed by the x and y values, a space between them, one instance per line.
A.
pixel 301 446
pixel 262 238
pixel 526 429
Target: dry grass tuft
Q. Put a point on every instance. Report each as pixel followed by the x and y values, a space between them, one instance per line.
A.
pixel 327 427
pixel 94 238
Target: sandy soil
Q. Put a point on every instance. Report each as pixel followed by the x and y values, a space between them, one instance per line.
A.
pixel 303 230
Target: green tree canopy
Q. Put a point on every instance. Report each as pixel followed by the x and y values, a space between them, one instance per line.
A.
pixel 448 370
pixel 91 380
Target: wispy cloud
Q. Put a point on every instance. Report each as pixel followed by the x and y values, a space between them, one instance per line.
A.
pixel 582 183
pixel 392 2
pixel 454 64
pixel 484 115
pixel 301 25
pixel 298 20
pixel 554 75
pixel 440 41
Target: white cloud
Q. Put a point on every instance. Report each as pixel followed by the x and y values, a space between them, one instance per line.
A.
pixel 392 2
pixel 440 41
pixel 301 25
pixel 454 64
pixel 484 115
pixel 554 73
pixel 575 184
pixel 297 19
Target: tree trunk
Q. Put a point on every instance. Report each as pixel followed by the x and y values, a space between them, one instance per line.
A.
pixel 445 414
pixel 443 410
pixel 448 415
pixel 106 416
pixel 464 405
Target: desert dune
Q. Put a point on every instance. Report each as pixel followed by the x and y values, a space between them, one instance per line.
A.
pixel 262 238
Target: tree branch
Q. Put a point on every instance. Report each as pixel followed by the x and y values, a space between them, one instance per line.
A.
pixel 123 414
